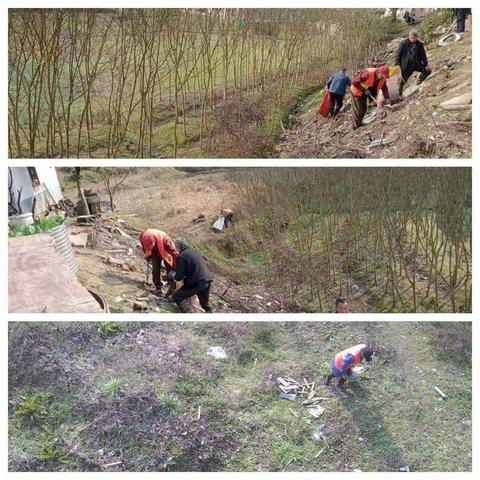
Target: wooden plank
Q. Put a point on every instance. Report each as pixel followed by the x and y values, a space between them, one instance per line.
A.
pixel 440 393
pixel 282 381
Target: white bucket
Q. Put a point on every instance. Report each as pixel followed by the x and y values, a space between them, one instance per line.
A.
pixel 20 220
pixel 356 373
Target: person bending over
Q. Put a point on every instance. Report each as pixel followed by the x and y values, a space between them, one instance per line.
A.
pixel 195 277
pixel 345 361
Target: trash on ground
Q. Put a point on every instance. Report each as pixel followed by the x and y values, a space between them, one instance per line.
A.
pixel 291 389
pixel 288 396
pixel 219 224
pixel 440 393
pixel 448 39
pixel 217 352
pixel 356 373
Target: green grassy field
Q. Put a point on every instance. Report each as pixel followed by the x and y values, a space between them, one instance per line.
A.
pixel 145 396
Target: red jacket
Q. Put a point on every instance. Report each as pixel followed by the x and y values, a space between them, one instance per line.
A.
pixel 156 239
pixel 349 358
pixel 367 80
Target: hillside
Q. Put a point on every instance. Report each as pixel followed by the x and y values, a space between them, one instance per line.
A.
pixel 112 263
pixel 295 244
pixel 219 83
pixel 434 120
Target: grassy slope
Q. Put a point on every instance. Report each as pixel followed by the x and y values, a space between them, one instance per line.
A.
pixel 392 418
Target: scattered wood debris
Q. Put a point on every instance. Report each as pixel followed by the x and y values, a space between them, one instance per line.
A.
pixel 291 389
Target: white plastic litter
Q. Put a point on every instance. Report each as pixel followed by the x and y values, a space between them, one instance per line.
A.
pixel 217 352
pixel 219 224
pixel 447 39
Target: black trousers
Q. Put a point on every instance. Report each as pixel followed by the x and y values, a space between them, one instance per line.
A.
pixel 336 102
pixel 407 73
pixel 157 269
pixel 201 290
pixel 460 23
pixel 228 221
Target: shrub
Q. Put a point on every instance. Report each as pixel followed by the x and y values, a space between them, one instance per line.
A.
pixel 169 406
pixel 393 26
pixel 434 20
pixel 32 406
pixel 246 357
pixel 191 386
pixel 42 225
pixel 264 335
pixel 113 388
pixel 240 129
pixel 108 329
pixel 50 450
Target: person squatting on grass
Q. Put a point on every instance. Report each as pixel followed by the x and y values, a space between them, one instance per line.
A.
pixel 192 270
pixel 345 361
pixel 227 214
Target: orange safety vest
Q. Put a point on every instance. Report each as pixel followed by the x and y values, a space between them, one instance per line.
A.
pixel 356 351
pixel 358 92
pixel 165 247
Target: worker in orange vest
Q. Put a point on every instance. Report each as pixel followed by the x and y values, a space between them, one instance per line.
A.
pixel 344 361
pixel 366 84
pixel 158 247
pixel 228 216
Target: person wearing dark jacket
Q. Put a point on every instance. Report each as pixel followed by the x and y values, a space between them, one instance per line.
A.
pixel 192 270
pixel 337 87
pixel 411 57
pixel 460 15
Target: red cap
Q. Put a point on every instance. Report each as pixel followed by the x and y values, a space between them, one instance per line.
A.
pixel 384 70
pixel 148 241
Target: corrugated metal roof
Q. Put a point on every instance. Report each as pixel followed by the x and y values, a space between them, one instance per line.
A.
pixel 39 280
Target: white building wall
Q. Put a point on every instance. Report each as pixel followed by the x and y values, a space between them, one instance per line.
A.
pixel 22 179
pixel 48 176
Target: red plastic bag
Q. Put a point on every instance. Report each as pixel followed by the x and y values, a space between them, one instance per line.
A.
pixel 324 109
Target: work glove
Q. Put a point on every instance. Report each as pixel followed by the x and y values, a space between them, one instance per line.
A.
pixel 368 92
